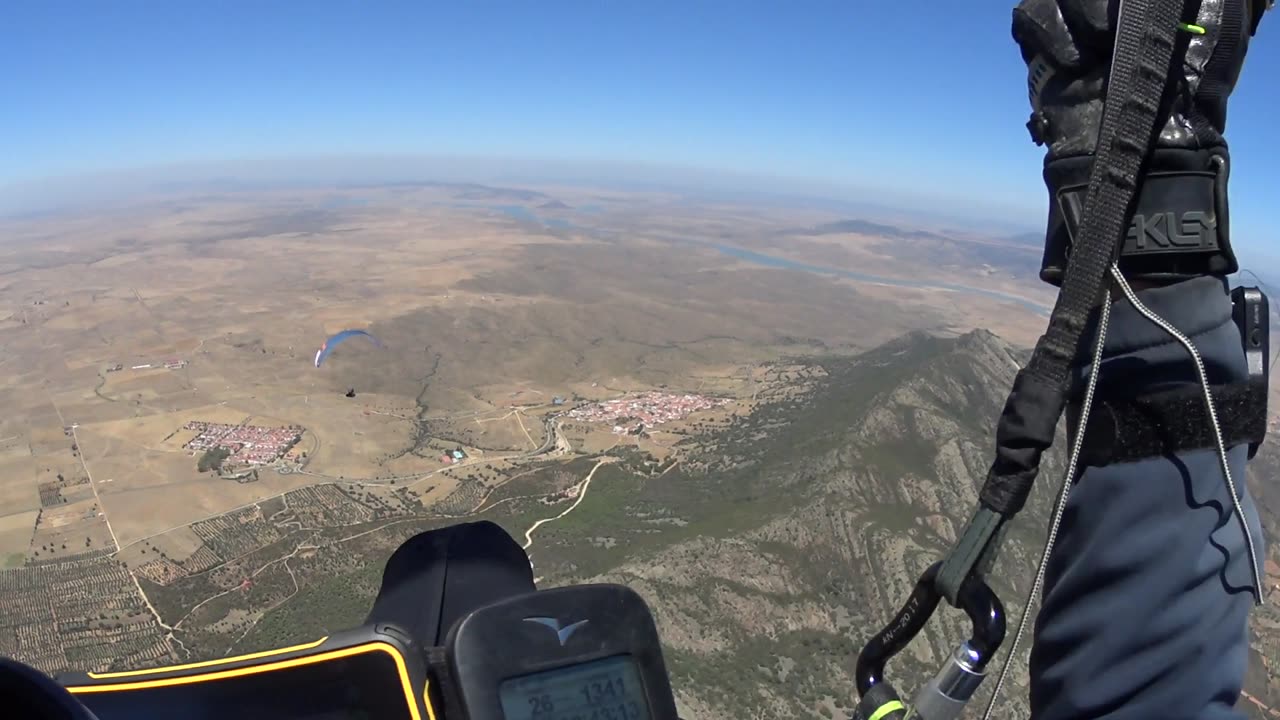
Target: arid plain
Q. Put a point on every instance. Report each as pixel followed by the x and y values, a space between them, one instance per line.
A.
pixel 490 302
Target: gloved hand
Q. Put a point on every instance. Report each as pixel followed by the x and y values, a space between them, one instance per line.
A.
pixel 1180 226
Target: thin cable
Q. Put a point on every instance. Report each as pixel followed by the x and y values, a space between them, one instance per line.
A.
pixel 1213 418
pixel 1058 511
pixel 1256 278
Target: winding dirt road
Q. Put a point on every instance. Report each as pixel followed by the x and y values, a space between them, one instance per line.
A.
pixel 582 494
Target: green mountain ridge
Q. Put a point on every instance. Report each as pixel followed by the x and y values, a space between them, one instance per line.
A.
pixel 809 522
pixel 800 540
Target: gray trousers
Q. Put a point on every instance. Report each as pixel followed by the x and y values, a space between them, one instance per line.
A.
pixel 1148 590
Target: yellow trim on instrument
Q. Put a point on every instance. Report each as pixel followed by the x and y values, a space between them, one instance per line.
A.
pixel 271 667
pixel 207 663
pixel 426 700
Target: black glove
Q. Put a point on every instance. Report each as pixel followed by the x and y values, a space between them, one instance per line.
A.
pixel 1180 226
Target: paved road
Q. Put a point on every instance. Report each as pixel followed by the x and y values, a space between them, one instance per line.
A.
pixel 552 431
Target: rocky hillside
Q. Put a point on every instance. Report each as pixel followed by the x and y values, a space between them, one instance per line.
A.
pixel 802 527
pixel 1263 684
pixel 805 524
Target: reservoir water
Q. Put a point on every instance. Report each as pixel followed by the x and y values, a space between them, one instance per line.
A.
pixel 520 212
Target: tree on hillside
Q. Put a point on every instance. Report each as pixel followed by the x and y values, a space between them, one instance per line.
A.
pixel 212 459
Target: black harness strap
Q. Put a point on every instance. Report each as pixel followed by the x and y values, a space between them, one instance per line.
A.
pixel 1154 425
pixel 1148 51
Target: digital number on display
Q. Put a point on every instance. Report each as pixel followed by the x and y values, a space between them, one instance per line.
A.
pixel 606 689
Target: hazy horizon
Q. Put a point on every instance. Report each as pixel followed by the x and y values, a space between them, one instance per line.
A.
pixel 92 190
pixel 714 97
pixel 105 190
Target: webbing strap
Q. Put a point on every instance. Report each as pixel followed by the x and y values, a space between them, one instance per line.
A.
pixel 441 678
pixel 969 550
pixel 1139 85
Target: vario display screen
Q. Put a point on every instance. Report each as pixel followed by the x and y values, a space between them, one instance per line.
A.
pixel 607 689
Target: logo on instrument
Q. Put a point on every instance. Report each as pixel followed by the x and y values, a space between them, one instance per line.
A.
pixel 563 632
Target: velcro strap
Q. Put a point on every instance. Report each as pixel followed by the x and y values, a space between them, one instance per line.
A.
pixel 1178 227
pixel 1159 424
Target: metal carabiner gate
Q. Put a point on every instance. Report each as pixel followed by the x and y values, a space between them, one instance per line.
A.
pixel 943 697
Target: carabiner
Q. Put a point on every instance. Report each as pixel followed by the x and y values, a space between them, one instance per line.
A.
pixel 908 623
pixel 955 683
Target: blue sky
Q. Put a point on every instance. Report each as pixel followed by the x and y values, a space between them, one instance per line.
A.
pixel 920 101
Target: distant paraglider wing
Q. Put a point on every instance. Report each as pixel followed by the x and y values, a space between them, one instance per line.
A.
pixel 338 339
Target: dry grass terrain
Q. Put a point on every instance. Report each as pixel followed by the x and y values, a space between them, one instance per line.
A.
pixel 485 314
pixel 488 307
